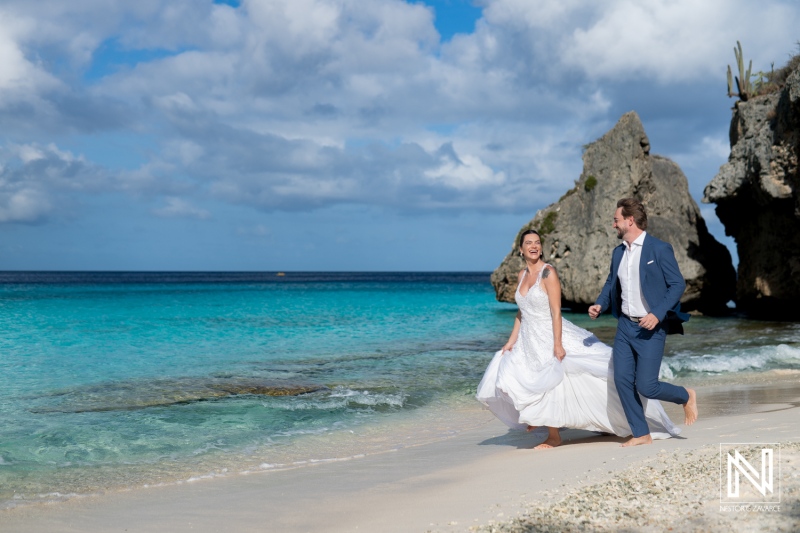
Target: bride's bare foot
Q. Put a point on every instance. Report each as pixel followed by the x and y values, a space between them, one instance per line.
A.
pixel 690 408
pixel 637 441
pixel 531 428
pixel 553 440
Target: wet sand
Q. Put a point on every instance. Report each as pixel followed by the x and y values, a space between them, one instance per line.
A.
pixel 484 478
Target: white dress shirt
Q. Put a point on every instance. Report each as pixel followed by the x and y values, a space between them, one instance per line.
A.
pixel 633 302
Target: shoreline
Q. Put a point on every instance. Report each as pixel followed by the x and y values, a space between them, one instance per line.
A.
pixel 461 482
pixel 420 427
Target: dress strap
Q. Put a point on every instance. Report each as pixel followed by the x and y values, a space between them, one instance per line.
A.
pixel 524 271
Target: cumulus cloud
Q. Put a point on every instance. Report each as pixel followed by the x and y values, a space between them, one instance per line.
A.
pixel 666 40
pixel 463 173
pixel 309 103
pixel 35 178
pixel 180 208
pixel 22 79
pixel 716 149
pixel 20 204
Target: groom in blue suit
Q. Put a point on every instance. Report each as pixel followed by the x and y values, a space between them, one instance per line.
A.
pixel 643 289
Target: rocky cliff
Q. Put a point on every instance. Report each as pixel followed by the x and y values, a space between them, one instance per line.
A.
pixel 758 201
pixel 578 237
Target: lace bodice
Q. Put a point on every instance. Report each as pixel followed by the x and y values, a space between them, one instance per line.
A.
pixel 536 329
pixel 534 304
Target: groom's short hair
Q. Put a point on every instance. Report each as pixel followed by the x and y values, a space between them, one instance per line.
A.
pixel 631 207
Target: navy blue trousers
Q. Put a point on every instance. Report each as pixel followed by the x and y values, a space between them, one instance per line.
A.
pixel 637 361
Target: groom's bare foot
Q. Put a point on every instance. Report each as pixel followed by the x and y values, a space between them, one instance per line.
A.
pixel 690 408
pixel 637 441
pixel 551 442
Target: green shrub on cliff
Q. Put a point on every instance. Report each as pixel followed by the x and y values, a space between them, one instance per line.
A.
pixel 569 193
pixel 591 183
pixel 774 80
pixel 751 84
pixel 548 225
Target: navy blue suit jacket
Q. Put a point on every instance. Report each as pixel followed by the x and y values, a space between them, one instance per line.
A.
pixel 661 281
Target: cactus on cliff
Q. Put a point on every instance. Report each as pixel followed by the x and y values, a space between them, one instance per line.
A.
pixel 743 84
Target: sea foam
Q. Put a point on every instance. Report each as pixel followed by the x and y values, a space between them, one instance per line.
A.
pixel 759 358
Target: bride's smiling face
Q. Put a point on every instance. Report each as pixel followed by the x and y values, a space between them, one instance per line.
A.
pixel 531 247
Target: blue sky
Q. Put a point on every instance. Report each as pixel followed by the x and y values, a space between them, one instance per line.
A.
pixel 341 134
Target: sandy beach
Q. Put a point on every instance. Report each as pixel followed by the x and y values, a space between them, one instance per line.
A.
pixel 484 478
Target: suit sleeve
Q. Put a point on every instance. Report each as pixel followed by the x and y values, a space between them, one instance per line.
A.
pixel 604 300
pixel 674 280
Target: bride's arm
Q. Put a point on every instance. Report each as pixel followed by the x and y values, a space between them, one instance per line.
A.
pixel 512 339
pixel 552 286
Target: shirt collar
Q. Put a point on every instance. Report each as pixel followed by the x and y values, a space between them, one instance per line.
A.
pixel 639 241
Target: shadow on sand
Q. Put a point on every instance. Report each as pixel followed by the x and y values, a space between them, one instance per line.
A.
pixel 524 440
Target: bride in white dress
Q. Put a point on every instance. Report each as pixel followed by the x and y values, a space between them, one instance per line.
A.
pixel 553 373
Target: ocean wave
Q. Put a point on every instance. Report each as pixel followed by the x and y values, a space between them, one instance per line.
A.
pixel 18 500
pixel 781 356
pixel 202 477
pixel 364 397
pixel 341 398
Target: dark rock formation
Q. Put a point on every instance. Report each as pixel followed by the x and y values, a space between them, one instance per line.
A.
pixel 757 193
pixel 134 395
pixel 578 237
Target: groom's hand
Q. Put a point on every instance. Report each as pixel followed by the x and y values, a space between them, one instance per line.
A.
pixel 594 311
pixel 649 321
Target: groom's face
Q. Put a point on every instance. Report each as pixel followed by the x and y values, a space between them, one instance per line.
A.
pixel 621 224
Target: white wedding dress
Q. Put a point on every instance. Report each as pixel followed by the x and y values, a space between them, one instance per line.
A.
pixel 530 386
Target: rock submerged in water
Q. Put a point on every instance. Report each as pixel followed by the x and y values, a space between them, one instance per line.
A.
pixel 129 396
pixel 578 237
pixel 757 193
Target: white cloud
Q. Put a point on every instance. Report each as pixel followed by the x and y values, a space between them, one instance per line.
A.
pixel 180 208
pixel 717 147
pixel 667 40
pixel 32 176
pixel 545 14
pixel 28 153
pixel 23 205
pixel 21 79
pixel 702 161
pixel 38 182
pixel 664 40
pixel 464 173
pixel 306 103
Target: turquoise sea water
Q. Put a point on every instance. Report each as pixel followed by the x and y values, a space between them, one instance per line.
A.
pixel 128 379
